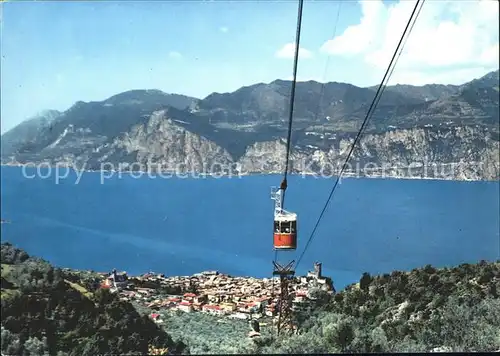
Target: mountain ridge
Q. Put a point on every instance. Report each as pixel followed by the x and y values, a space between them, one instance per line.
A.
pixel 326 118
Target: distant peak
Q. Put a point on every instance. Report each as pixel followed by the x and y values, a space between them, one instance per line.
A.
pixel 48 113
pixel 490 79
pixel 280 81
pixel 77 105
pixel 491 75
pixel 145 95
pixel 135 94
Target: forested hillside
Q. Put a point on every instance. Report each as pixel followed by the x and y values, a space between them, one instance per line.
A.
pixel 46 310
pixel 45 313
pixel 452 309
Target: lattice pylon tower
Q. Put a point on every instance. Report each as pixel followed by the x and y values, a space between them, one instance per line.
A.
pixel 286 322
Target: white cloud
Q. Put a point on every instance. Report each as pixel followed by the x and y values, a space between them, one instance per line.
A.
pixel 288 51
pixel 223 29
pixel 174 55
pixel 358 38
pixel 449 38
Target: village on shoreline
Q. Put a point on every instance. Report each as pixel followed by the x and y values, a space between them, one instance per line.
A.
pixel 215 293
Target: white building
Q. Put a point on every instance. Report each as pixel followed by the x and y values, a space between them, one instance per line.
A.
pixel 185 306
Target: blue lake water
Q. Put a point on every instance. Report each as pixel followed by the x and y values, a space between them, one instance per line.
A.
pixel 183 226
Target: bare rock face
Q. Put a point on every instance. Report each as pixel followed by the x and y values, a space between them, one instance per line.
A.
pixel 161 144
pixel 267 157
pixel 462 153
pixel 434 131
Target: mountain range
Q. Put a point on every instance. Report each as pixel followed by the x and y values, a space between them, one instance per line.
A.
pixel 430 131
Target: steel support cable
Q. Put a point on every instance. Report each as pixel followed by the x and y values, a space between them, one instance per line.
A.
pixel 322 92
pixel 299 20
pixel 376 99
pixel 284 183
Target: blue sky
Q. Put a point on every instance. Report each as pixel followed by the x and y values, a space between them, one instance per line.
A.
pixel 55 53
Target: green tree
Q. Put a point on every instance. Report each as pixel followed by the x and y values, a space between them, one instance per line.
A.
pixel 342 334
pixel 365 281
pixel 34 346
pixel 379 340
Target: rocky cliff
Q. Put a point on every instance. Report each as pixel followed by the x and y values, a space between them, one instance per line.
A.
pixel 434 131
pixel 462 152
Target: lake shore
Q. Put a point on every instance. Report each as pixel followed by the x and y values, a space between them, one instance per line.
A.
pixel 236 174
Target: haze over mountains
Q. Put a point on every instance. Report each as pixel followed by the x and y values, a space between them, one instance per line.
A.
pixel 452 127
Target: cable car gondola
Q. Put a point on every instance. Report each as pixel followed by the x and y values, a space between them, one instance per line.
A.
pixel 285 231
pixel 285 225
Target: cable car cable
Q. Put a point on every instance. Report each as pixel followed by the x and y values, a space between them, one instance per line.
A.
pixel 284 184
pixel 292 99
pixel 371 109
pixel 322 92
pixel 370 112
